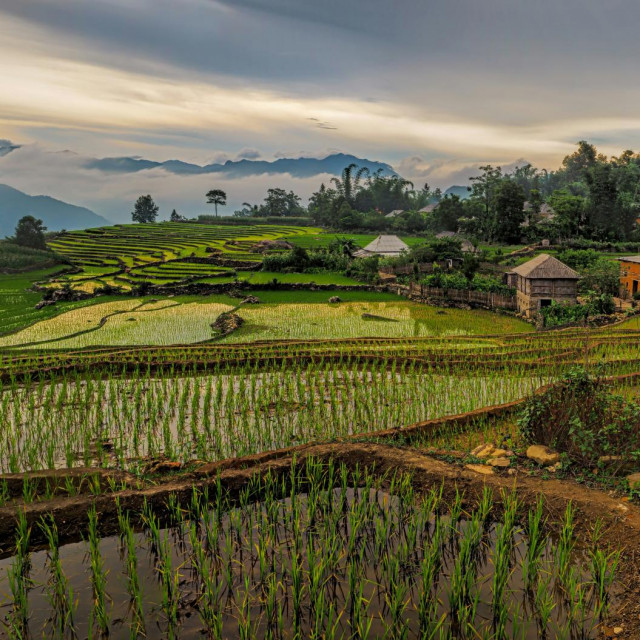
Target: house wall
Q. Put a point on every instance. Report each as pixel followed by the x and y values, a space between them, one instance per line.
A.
pixel 532 291
pixel 630 273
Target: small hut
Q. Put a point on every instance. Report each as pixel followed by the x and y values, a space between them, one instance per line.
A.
pixel 541 281
pixel 395 213
pixel 387 246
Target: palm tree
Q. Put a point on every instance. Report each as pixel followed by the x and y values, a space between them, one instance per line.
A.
pixel 349 184
pixel 253 209
pixel 217 197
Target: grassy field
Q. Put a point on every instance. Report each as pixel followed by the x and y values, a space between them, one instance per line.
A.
pixel 17 302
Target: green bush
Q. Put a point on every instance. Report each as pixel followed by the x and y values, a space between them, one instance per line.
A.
pixel 300 260
pixel 580 417
pixel 457 280
pixel 13 256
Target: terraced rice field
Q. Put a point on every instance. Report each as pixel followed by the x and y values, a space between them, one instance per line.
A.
pixel 172 321
pixel 155 482
pixel 226 548
pixel 126 255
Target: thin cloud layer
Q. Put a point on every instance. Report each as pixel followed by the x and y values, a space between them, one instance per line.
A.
pixel 454 84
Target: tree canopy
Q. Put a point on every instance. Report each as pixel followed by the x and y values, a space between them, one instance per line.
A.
pixel 30 233
pixel 145 210
pixel 217 197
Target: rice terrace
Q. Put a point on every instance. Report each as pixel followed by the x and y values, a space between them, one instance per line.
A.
pixel 247 431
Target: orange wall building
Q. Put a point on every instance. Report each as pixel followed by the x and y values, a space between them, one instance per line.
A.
pixel 630 274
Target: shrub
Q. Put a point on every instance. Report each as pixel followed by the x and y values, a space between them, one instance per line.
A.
pixel 457 280
pixel 581 417
pixel 299 260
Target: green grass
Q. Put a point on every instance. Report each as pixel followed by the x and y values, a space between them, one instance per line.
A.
pixel 17 304
pixel 325 277
pixel 15 257
pixel 323 240
pixel 319 297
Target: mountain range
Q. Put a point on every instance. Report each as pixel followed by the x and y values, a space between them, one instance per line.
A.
pixel 296 167
pixel 55 214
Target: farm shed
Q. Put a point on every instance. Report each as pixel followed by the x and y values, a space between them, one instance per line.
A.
pixel 541 281
pixel 388 246
pixel 630 274
pixel 394 213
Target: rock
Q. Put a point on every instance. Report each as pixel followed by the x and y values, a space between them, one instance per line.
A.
pixel 634 481
pixel 251 300
pixel 45 303
pixel 162 466
pixel 555 467
pixel 334 299
pixel 618 630
pixel 487 450
pixel 483 451
pixel 226 323
pixel 480 468
pixel 543 455
pixel 511 472
pixel 500 462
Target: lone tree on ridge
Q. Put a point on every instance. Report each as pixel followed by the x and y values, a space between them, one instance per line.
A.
pixel 145 210
pixel 217 197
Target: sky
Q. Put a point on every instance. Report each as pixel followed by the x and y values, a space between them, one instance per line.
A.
pixel 434 88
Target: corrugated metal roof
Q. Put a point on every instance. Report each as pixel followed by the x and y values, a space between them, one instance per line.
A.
pixel 635 259
pixel 545 266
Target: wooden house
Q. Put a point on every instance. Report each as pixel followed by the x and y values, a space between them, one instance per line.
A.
pixel 630 274
pixel 541 281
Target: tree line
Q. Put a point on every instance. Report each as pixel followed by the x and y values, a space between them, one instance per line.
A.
pixel 590 196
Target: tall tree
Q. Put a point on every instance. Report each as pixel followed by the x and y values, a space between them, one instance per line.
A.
pixel 281 203
pixel 447 213
pixel 509 203
pixel 217 197
pixel 348 184
pixel 483 191
pixel 30 233
pixel 576 165
pixel 176 217
pixel 144 210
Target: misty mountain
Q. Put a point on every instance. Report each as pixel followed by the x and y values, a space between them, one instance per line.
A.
pixel 55 214
pixel 296 167
pixel 456 190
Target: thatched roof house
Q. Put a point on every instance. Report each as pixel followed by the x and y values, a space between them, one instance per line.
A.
pixel 388 246
pixel 543 280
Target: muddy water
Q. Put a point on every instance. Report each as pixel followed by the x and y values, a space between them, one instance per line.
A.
pixel 270 526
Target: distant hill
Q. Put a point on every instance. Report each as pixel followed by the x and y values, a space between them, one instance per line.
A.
pixel 297 167
pixel 55 214
pixel 459 191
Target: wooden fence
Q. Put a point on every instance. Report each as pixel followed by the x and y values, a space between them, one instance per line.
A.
pixel 483 298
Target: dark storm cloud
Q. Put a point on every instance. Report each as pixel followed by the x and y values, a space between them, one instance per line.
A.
pixel 405 45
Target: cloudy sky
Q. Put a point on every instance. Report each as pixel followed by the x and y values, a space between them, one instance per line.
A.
pixel 434 87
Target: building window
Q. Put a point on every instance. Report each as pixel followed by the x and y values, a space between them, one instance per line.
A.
pixel 545 302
